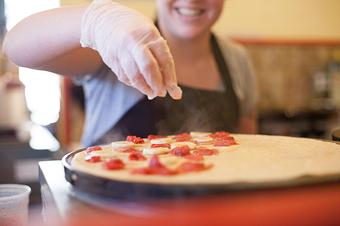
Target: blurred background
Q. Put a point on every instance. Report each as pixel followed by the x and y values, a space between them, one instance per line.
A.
pixel 294 46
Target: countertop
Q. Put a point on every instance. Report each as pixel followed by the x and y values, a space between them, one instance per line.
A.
pixel 304 205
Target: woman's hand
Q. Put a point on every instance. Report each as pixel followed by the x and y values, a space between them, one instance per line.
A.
pixel 131 46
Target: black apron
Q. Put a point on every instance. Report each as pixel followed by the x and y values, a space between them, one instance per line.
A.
pixel 198 110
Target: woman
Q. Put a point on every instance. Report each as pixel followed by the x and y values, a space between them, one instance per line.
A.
pixel 127 59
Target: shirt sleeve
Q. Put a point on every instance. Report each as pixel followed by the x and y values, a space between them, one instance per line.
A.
pixel 83 79
pixel 250 88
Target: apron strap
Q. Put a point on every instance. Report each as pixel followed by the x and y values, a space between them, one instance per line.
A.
pixel 225 74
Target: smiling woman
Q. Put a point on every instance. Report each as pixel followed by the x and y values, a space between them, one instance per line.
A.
pixel 188 19
pixel 124 62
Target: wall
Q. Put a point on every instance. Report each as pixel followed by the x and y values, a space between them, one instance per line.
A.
pixel 306 19
pixel 288 19
pixel 286 77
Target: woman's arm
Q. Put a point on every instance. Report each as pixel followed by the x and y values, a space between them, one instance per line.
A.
pixel 122 38
pixel 49 41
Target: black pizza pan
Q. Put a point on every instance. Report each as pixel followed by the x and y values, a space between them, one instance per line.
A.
pixel 125 190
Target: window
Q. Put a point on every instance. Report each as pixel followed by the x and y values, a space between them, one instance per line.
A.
pixel 42 89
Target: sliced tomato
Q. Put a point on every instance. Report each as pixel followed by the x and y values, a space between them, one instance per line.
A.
pixel 114 164
pixel 194 157
pixel 181 151
pixel 136 156
pixel 224 142
pixel 160 145
pixel 151 137
pixel 92 158
pixel 135 139
pixel 187 167
pixel 183 137
pixel 205 151
pixel 93 148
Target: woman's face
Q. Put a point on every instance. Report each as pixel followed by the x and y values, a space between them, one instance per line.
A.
pixel 188 19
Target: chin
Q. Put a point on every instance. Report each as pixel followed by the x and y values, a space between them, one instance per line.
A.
pixel 191 33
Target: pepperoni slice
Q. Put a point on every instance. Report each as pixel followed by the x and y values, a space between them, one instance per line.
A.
pixel 151 137
pixel 181 151
pixel 164 171
pixel 144 171
pixel 194 157
pixel 93 158
pixel 114 164
pixel 183 137
pixel 135 139
pixel 154 171
pixel 136 156
pixel 225 138
pixel 224 142
pixel 93 148
pixel 205 151
pixel 187 167
pixel 129 150
pixel 160 145
pixel 155 163
pixel 220 134
pixel 155 168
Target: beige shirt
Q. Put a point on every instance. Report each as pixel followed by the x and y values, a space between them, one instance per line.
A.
pixel 242 74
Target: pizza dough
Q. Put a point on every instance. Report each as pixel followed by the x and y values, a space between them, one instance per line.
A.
pixel 255 159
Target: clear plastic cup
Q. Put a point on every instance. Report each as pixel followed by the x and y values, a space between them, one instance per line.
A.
pixel 14 199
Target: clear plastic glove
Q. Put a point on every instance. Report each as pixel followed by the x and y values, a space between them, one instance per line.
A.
pixel 130 44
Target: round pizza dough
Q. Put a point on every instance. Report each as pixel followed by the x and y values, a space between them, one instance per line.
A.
pixel 256 159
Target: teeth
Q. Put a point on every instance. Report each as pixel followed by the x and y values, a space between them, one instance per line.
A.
pixel 189 12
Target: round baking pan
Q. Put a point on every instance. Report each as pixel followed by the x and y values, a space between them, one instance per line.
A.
pixel 141 191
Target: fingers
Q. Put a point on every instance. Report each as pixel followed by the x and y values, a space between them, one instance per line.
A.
pixel 122 76
pixel 161 52
pixel 131 46
pixel 139 83
pixel 148 67
pixel 135 78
